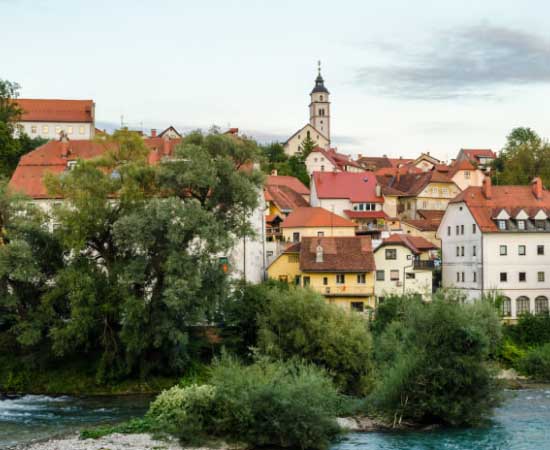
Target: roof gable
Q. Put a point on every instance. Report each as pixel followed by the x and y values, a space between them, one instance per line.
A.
pixel 356 187
pixel 308 216
pixel 339 254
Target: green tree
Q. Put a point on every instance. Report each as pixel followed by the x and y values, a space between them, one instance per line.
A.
pixel 143 241
pixel 525 156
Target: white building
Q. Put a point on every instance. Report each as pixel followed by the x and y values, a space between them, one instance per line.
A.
pixel 497 238
pixel 48 118
pixel 329 160
pixel 318 128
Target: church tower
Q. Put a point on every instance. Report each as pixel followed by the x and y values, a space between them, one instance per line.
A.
pixel 319 108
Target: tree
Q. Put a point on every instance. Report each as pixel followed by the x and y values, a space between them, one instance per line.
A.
pixel 306 147
pixel 525 156
pixel 143 242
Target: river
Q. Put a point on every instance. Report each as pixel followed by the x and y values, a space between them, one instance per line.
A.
pixel 522 423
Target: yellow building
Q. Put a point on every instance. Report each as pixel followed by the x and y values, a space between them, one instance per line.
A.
pixel 339 268
pixel 315 222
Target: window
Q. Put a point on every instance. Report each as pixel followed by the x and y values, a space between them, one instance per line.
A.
pixel 394 275
pixel 467 174
pixel 457 250
pixel 410 276
pixel 474 277
pixel 474 228
pixel 457 230
pixel 283 278
pixel 380 275
pixel 391 253
pixel 296 236
pixel 45 129
pixel 462 277
pixel 293 258
pixel 521 224
pixel 80 130
pixel 506 307
pixel 448 231
pixel 325 281
pixel 541 305
pixel 522 277
pixel 33 129
pixel 458 277
pixel 501 224
pixel 474 250
pixel 540 277
pixel 321 97
pixel 297 280
pixel 444 191
pixel 357 306
pixel 461 229
pixel 521 250
pixel 503 250
pixel 322 168
pixel 540 224
pixel 71 165
pixel 522 305
pixel 503 277
pixel 424 204
pixel 462 251
pixel 320 234
pixel 340 278
pixel 69 130
pixel 57 130
pixel 361 278
pixel 540 249
pixel 307 281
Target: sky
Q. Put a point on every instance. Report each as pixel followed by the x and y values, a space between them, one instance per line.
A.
pixel 405 77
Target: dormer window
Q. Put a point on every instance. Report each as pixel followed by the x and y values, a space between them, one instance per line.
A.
pixel 501 224
pixel 467 174
pixel 521 224
pixel 540 224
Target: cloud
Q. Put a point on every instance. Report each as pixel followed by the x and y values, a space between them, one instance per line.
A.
pixel 468 61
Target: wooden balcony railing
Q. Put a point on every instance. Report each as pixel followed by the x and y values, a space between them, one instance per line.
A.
pixel 344 290
pixel 424 265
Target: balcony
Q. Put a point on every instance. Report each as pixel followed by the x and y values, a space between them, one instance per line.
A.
pixel 424 265
pixel 342 290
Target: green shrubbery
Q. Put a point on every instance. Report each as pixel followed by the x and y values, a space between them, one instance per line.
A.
pixel 263 404
pixel 536 363
pixel 432 361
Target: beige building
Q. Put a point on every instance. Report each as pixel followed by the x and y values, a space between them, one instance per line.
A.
pixel 315 222
pixel 318 128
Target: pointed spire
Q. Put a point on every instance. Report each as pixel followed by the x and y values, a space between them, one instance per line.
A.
pixel 319 82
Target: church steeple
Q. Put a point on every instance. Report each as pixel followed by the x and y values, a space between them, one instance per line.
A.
pixel 319 108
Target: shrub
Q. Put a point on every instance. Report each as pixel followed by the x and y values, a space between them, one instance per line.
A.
pixel 511 354
pixel 185 411
pixel 536 363
pixel 299 322
pixel 433 363
pixel 531 330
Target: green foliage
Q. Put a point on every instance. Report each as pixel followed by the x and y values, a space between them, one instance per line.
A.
pixel 298 322
pixel 433 362
pixel 511 353
pixel 525 156
pixel 264 404
pixel 274 158
pixel 306 147
pixel 393 308
pixel 134 426
pixel 531 330
pixel 536 363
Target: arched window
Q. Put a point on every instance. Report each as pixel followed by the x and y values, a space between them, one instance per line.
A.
pixel 506 307
pixel 541 305
pixel 321 97
pixel 522 305
pixel 308 135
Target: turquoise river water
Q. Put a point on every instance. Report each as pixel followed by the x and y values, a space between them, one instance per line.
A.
pixel 522 423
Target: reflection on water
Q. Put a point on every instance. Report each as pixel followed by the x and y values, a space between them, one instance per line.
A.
pixel 522 423
pixel 33 417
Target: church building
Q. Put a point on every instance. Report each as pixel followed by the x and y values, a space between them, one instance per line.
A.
pixel 318 128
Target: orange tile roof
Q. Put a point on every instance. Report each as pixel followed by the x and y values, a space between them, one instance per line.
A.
pixel 509 198
pixel 315 217
pixel 339 160
pixel 340 254
pixel 285 198
pixel 284 180
pixel 52 157
pixel 479 152
pixel 357 187
pixel 417 244
pixel 50 110
pixel 422 224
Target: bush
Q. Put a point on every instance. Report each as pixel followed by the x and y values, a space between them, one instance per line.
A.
pixel 184 411
pixel 536 363
pixel 298 322
pixel 511 354
pixel 433 363
pixel 531 330
pixel 265 404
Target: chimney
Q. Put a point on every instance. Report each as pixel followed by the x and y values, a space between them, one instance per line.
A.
pixel 536 186
pixel 319 253
pixel 487 187
pixel 64 149
pixel 165 146
pixel 274 172
pixel 153 132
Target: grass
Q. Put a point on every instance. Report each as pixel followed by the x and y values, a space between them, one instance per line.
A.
pixel 133 426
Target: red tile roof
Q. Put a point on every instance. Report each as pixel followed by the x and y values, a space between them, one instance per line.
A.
pixel 509 198
pixel 413 183
pixel 292 182
pixel 315 217
pixel 463 164
pixel 45 110
pixel 357 187
pixel 339 160
pixel 365 214
pixel 285 198
pixel 417 244
pixel 53 156
pixel 422 224
pixel 340 254
pixel 433 215
pixel 480 152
